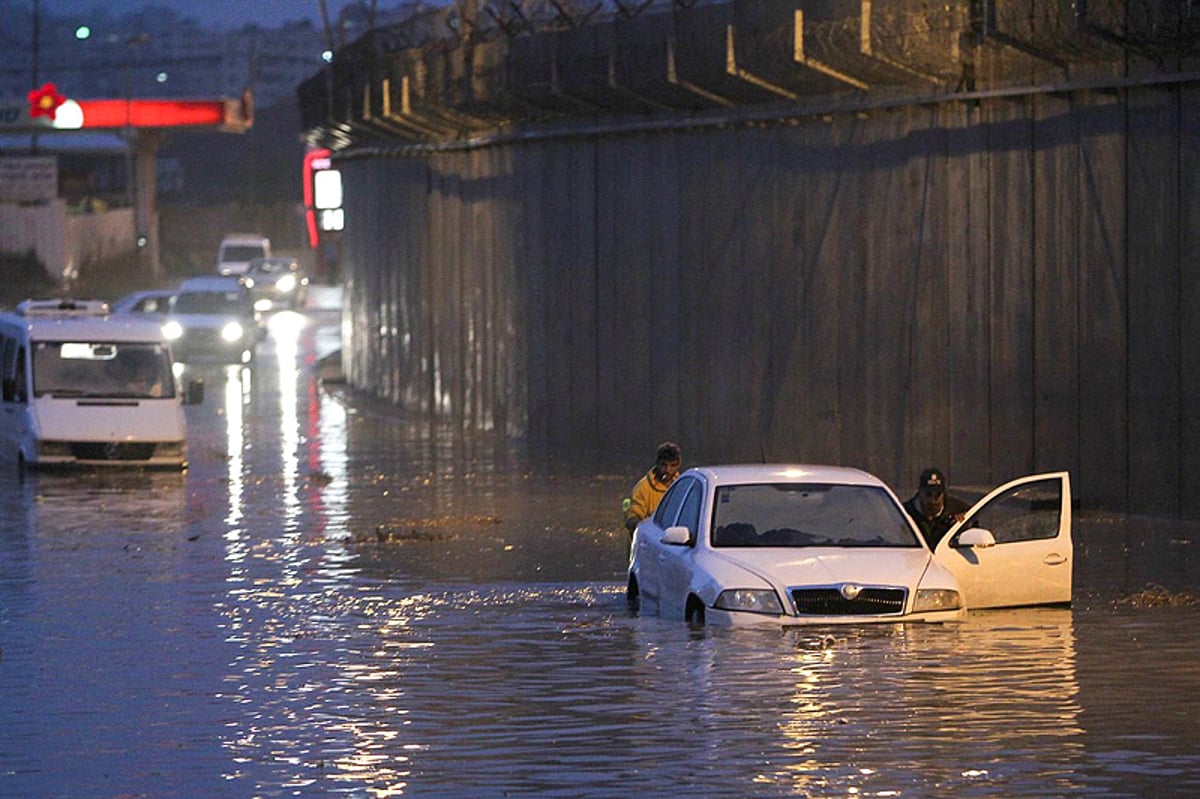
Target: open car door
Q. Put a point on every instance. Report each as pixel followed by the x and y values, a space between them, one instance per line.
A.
pixel 1029 563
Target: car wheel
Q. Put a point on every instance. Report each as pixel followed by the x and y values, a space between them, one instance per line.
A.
pixel 632 596
pixel 694 614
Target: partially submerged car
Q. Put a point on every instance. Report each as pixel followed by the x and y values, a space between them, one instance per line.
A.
pixel 276 283
pixel 82 387
pixel 213 320
pixel 800 544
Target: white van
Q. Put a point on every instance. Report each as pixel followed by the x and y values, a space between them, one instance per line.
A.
pixel 80 387
pixel 237 250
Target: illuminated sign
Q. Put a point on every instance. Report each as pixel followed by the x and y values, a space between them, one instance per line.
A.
pixel 47 109
pixel 322 196
pixel 45 102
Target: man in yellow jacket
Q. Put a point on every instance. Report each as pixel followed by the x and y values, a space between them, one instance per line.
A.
pixel 650 489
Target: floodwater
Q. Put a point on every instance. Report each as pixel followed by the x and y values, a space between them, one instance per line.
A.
pixel 335 600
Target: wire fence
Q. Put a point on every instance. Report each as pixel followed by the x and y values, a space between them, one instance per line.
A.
pixel 474 65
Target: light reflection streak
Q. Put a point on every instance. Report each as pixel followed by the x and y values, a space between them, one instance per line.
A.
pixel 332 433
pixel 237 392
pixel 285 330
pixel 985 650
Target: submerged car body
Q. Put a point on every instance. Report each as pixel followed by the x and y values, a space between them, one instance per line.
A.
pixel 800 544
pixel 276 283
pixel 82 387
pixel 212 319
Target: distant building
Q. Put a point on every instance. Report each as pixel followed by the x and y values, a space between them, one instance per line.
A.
pixel 158 53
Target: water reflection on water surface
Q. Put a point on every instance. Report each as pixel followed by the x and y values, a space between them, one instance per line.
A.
pixel 336 600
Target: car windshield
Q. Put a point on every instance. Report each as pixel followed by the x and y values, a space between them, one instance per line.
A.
pixel 102 369
pixel 809 515
pixel 209 302
pixel 270 267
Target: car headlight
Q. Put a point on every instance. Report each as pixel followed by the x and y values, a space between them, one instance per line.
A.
pixel 286 283
pixel 749 600
pixel 232 332
pixel 248 282
pixel 930 599
pixel 172 330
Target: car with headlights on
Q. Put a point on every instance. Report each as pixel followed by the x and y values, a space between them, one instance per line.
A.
pixel 212 320
pixel 802 545
pixel 276 283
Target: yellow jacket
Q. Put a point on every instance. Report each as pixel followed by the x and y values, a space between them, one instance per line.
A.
pixel 647 493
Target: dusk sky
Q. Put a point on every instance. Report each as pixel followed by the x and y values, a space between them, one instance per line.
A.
pixel 216 13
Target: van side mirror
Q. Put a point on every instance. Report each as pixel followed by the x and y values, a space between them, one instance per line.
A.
pixel 194 393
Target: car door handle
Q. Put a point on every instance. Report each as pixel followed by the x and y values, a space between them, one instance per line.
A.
pixel 1054 559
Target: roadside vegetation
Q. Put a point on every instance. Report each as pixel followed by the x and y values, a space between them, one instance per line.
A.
pixel 22 275
pixel 1156 596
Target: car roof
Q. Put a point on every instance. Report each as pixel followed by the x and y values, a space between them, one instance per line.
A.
pixel 743 473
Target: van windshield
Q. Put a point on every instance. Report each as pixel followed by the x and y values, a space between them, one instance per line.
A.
pixel 102 369
pixel 242 252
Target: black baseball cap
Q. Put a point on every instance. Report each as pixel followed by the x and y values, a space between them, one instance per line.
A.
pixel 933 481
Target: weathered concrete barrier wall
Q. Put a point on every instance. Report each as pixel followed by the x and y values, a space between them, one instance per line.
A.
pixel 996 287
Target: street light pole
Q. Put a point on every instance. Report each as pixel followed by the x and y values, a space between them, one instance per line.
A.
pixel 140 38
pixel 35 66
pixel 37 38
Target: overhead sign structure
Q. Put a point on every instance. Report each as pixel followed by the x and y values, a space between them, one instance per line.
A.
pixel 47 109
pixel 143 122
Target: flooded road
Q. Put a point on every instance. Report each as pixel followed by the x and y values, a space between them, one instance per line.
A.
pixel 335 600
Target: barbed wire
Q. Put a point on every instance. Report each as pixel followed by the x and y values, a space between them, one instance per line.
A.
pixel 529 60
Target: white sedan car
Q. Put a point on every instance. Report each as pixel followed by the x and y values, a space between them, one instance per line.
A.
pixel 796 544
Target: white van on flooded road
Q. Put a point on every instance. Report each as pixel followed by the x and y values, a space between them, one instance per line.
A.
pixel 237 250
pixel 80 387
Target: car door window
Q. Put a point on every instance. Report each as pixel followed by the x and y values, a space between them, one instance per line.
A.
pixel 668 509
pixel 689 511
pixel 1026 512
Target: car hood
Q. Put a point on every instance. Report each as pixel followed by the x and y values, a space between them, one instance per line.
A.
pixel 823 566
pixel 201 320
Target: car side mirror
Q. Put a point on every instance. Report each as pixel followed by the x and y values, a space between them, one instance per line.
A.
pixel 975 538
pixel 194 393
pixel 677 536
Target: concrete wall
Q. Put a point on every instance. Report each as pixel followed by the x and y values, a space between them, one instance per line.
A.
pixel 38 228
pixel 67 244
pixel 96 238
pixel 997 287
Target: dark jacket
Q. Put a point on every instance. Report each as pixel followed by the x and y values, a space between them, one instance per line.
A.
pixel 935 528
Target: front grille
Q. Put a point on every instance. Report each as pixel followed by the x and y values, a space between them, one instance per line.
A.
pixel 830 602
pixel 112 450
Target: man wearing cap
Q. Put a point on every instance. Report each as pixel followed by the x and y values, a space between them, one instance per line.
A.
pixel 932 509
pixel 650 489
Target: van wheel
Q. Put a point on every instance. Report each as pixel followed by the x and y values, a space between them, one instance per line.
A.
pixel 694 614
